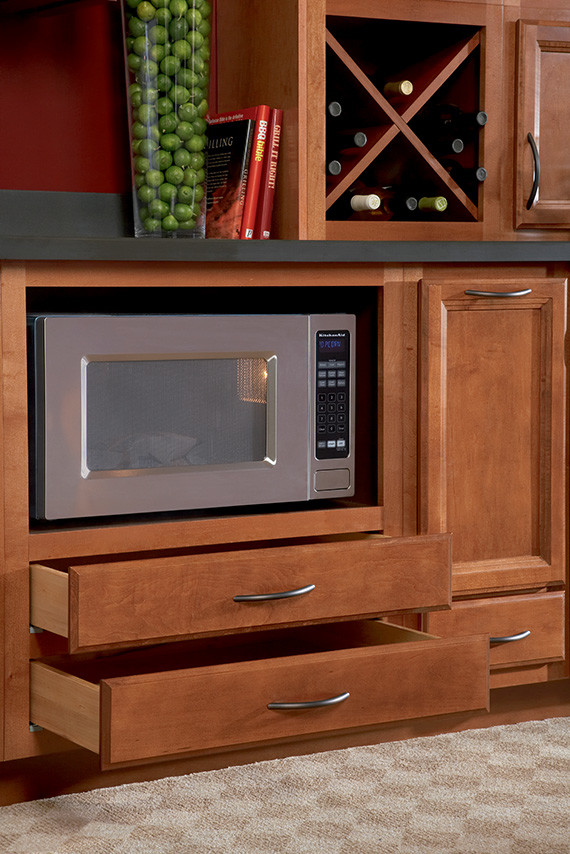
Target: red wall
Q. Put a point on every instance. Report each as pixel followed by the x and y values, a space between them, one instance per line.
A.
pixel 63 119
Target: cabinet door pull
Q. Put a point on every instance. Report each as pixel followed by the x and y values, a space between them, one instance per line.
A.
pixel 536 158
pixel 265 597
pixel 510 638
pixel 310 704
pixel 522 293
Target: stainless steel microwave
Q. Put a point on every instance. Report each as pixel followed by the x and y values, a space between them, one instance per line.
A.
pixel 145 413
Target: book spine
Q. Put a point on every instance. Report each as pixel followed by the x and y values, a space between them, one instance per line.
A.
pixel 255 172
pixel 244 184
pixel 267 191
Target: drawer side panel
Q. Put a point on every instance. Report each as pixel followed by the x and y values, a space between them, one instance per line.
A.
pixel 65 704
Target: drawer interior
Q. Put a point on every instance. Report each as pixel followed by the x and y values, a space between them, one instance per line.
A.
pixel 229 649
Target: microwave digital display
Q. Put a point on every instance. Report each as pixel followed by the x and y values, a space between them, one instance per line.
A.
pixel 333 344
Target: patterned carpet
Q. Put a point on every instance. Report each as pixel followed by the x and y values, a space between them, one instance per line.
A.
pixel 502 790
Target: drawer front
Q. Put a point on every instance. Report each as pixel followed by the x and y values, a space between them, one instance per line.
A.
pixel 503 618
pixel 133 602
pixel 396 674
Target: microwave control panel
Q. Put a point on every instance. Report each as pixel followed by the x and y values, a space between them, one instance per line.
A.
pixel 332 404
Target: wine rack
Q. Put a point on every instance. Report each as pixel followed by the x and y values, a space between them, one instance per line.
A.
pixel 405 146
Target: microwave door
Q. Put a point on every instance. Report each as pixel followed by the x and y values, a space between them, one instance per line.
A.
pixel 147 414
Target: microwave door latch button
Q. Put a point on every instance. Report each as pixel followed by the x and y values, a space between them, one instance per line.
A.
pixel 266 597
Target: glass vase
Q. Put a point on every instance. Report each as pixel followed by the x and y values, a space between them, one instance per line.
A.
pixel 167 67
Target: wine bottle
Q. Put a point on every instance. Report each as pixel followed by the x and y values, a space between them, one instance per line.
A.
pixel 387 202
pixel 345 143
pixel 349 138
pixel 365 202
pixel 453 120
pixel 343 147
pixel 401 204
pixel 464 175
pixel 460 121
pixel 357 203
pixel 442 144
pixel 398 88
pixel 334 109
pixel 468 178
pixel 432 204
pixel 397 204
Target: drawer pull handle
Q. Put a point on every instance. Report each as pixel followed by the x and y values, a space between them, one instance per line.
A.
pixel 266 597
pixel 536 172
pixel 510 638
pixel 311 704
pixel 522 293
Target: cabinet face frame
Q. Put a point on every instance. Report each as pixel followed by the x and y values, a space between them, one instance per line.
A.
pixel 541 49
pixel 544 502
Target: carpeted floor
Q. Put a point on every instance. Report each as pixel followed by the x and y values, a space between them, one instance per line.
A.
pixel 502 790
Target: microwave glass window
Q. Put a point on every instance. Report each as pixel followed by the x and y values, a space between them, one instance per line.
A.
pixel 174 413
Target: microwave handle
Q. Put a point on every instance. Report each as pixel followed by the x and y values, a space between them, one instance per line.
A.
pixel 266 597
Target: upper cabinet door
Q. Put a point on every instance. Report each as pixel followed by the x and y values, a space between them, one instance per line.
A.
pixel 493 429
pixel 542 161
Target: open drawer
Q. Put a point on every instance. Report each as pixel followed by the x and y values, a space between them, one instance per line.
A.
pixel 224 692
pixel 128 603
pixel 523 629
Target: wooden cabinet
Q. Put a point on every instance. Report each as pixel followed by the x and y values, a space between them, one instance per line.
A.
pixel 493 437
pixel 138 591
pixel 508 60
pixel 459 521
pixel 543 89
pixel 105 592
pixel 346 52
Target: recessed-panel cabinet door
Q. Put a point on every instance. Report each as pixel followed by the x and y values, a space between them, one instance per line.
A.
pixel 542 161
pixel 492 429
